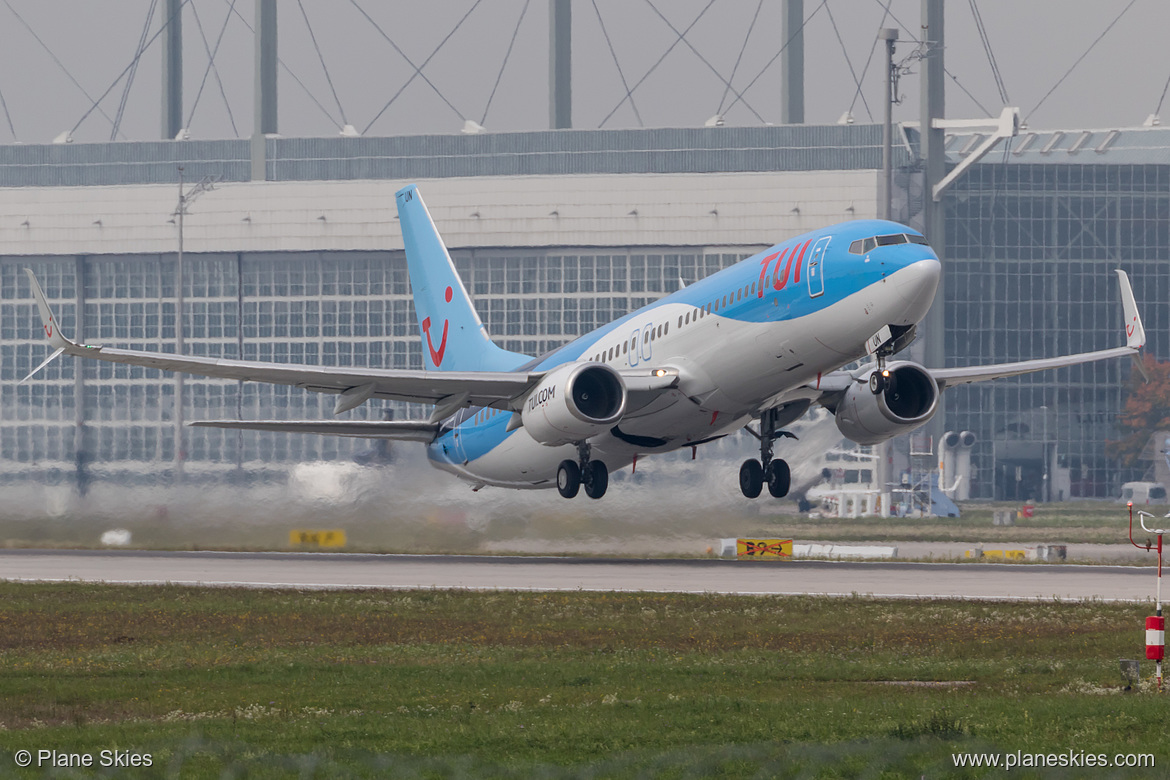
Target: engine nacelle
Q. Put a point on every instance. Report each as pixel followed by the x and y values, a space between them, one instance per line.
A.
pixel 573 403
pixel 908 402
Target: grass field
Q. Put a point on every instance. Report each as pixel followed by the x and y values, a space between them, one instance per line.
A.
pixel 249 683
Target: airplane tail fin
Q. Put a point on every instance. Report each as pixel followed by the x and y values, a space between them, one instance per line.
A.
pixel 454 338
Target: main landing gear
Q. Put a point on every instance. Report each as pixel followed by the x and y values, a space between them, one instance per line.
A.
pixel 774 472
pixel 591 473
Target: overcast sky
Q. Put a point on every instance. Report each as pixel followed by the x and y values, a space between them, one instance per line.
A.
pixel 1034 41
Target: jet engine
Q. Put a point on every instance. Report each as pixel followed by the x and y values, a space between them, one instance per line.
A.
pixel 908 401
pixel 573 403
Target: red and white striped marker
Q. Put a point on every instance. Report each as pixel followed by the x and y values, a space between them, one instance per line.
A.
pixel 1155 638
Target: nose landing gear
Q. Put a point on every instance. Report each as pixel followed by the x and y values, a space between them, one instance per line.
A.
pixel 774 472
pixel 592 474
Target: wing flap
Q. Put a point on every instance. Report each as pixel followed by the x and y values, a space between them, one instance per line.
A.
pixel 400 430
pixel 483 388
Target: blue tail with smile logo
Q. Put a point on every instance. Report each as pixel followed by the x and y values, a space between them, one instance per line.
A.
pixel 454 338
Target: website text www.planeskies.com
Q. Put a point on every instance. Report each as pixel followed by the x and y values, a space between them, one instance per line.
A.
pixel 1069 759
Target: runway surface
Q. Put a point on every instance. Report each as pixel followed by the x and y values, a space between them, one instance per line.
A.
pixel 342 570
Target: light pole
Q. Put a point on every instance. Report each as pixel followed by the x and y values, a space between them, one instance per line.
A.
pixel 1044 445
pixel 180 443
pixel 890 36
pixel 185 198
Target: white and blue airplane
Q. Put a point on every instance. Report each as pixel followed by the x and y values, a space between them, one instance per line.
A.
pixel 758 342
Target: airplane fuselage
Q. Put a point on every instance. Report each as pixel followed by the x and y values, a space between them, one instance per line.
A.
pixel 755 334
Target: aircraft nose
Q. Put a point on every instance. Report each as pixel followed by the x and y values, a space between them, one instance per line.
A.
pixel 917 283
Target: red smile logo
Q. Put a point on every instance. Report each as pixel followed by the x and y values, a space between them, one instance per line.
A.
pixel 437 354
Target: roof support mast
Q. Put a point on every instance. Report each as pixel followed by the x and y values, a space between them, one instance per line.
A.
pixel 933 140
pixel 264 94
pixel 560 64
pixel 172 71
pixel 792 38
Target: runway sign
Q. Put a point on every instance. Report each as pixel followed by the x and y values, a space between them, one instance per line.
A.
pixel 334 538
pixel 1007 555
pixel 763 548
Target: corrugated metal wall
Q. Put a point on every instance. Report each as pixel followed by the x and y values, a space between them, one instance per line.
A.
pixel 662 150
pixel 154 162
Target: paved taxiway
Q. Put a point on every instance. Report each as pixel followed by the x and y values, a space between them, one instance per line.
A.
pixel 344 570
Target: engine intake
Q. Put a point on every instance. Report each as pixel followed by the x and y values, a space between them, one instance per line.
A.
pixel 908 402
pixel 573 403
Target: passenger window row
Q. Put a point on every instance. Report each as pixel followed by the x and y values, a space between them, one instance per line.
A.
pixel 863 245
pixel 658 332
pixel 702 311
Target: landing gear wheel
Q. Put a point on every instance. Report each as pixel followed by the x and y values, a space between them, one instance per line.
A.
pixel 597 479
pixel 751 478
pixel 877 383
pixel 779 478
pixel 568 479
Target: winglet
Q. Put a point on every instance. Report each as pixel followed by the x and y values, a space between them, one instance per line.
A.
pixel 52 330
pixel 1135 334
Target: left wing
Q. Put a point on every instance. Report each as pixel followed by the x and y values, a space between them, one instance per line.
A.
pixel 447 390
pixel 831 387
pixel 1135 339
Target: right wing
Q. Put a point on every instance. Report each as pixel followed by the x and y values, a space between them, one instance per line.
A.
pixel 449 391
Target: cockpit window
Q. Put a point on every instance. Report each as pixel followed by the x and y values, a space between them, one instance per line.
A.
pixel 863 245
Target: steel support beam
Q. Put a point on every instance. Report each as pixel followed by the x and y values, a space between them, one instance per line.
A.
pixel 172 70
pixel 264 93
pixel 792 63
pixel 1006 126
pixel 560 65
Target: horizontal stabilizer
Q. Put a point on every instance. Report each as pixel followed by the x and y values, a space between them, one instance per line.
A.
pixel 401 430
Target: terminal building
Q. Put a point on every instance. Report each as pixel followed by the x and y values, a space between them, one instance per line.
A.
pixel 554 232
